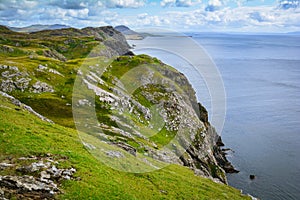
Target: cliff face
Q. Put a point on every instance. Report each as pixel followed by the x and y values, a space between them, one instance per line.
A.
pixel 128 33
pixel 147 111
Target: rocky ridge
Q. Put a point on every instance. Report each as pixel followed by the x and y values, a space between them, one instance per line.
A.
pixel 181 116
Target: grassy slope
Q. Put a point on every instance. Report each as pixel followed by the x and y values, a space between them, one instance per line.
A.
pixel 22 134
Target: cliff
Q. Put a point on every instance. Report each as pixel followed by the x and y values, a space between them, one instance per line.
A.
pixel 129 34
pixel 146 112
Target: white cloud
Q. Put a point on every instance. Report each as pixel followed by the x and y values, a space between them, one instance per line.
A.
pixel 213 5
pixel 262 18
pixel 179 3
pixel 125 3
pixel 81 14
pixel 215 2
pixel 142 15
pixel 97 13
pixel 288 4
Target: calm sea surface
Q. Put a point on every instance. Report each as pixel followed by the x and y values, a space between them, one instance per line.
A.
pixel 261 75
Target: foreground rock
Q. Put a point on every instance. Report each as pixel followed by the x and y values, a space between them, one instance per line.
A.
pixel 38 180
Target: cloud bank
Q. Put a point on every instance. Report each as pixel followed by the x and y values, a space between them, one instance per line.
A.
pixel 182 15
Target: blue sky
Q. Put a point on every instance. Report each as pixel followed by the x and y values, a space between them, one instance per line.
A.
pixel 179 15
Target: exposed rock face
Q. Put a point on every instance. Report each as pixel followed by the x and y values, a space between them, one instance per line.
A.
pixel 114 41
pixel 40 87
pixel 165 105
pixel 13 79
pixel 39 180
pixel 54 54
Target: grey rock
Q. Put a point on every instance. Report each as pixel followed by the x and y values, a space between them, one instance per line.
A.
pixel 89 146
pixel 2 197
pixel 40 87
pixel 3 66
pixel 115 154
pixel 22 83
pixel 45 175
pixel 54 54
pixel 42 67
pixel 7 85
pixel 53 71
pixel 13 79
pixel 252 197
pixel 84 102
pixel 39 180
pixel 126 147
pixel 26 183
pixel 34 167
pixel 6 165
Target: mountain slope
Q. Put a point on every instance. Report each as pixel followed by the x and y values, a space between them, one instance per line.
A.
pixel 145 115
pixel 22 134
pixel 38 27
pixel 128 33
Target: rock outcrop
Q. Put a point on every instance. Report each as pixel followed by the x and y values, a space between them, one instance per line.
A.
pixel 163 106
pixel 38 180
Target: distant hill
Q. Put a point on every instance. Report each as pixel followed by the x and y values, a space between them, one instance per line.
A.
pixel 38 27
pixel 129 34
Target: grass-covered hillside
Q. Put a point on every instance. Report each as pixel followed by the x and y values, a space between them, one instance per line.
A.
pixel 125 126
pixel 23 134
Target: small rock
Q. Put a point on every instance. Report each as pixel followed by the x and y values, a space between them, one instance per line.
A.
pixel 83 102
pixel 252 197
pixel 89 146
pixel 42 67
pixel 2 197
pixel 28 158
pixel 252 177
pixel 5 165
pixel 163 191
pixel 45 175
pixel 40 87
pixel 115 154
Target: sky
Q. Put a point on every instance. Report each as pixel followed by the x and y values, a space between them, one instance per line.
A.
pixel 178 15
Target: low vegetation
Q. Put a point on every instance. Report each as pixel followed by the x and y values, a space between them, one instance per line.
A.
pixel 40 70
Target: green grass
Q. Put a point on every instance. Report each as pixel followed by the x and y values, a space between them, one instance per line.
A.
pixel 22 134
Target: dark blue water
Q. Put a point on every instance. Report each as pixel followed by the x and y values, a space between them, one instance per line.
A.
pixel 261 76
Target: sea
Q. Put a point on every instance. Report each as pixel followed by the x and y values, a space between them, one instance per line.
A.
pixel 260 74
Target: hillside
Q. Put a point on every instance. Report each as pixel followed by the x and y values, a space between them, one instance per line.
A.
pixel 38 27
pixel 129 34
pixel 132 113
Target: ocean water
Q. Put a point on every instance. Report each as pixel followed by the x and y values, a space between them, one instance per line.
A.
pixel 261 76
